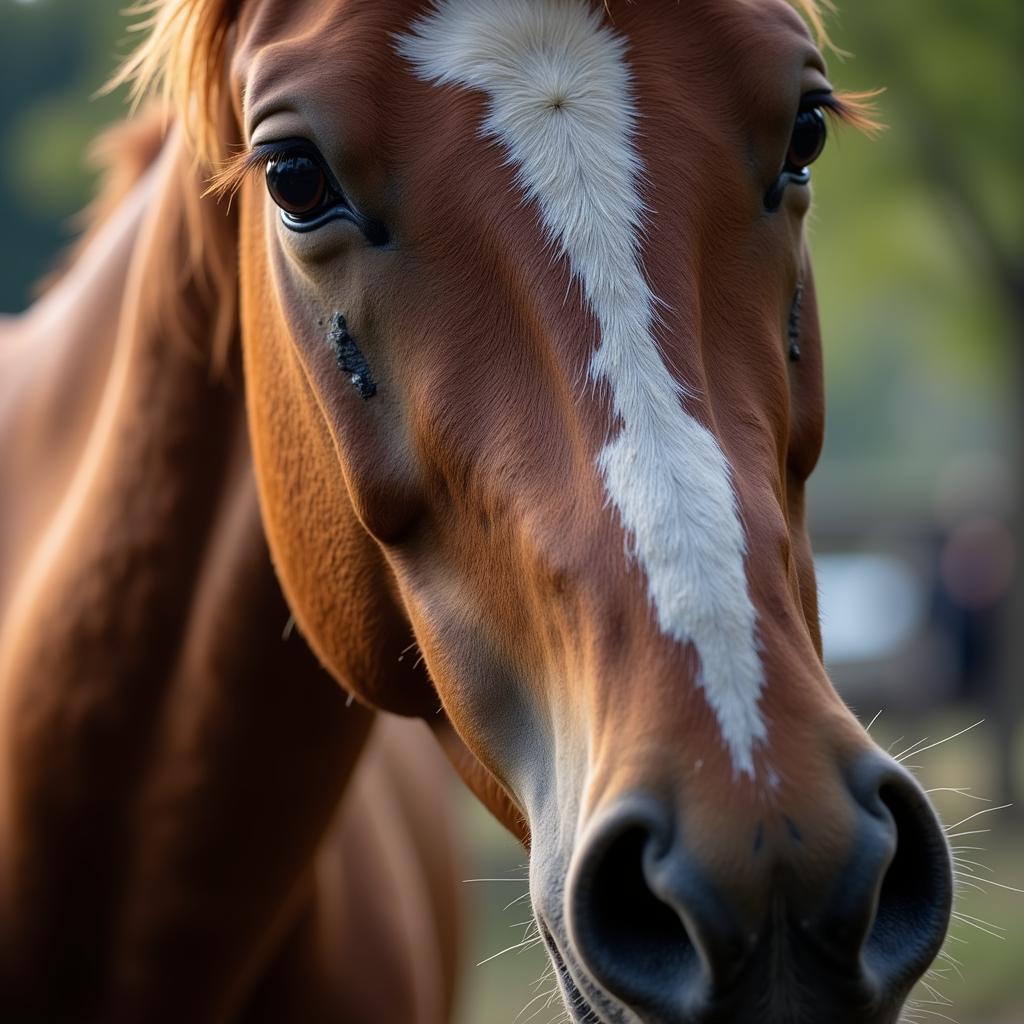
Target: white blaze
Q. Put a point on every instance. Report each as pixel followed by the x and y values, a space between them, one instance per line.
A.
pixel 561 103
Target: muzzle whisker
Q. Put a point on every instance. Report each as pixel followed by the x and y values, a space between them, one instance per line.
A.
pixel 977 814
pixel 916 748
pixel 961 882
pixel 998 885
pixel 870 725
pixel 548 993
pixel 937 996
pixel 955 965
pixel 518 899
pixel 969 832
pixel 525 944
pixel 964 791
pixel 935 1013
pixel 520 881
pixel 994 930
pixel 972 864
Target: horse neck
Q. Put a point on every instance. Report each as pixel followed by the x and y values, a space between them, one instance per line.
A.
pixel 108 404
pixel 142 625
pixel 75 363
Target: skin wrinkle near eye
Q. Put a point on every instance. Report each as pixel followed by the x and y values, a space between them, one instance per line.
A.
pixel 561 102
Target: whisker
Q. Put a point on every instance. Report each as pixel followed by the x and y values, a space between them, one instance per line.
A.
pixel 1000 885
pixel 972 863
pixel 936 994
pixel 939 743
pixel 960 791
pixel 525 944
pixel 912 749
pixel 977 814
pixel 519 881
pixel 518 899
pixel 406 650
pixel 962 883
pixel 936 1013
pixel 983 926
pixel 540 1009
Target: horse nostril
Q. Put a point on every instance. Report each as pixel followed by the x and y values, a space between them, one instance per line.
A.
pixel 916 894
pixel 631 924
pixel 654 931
pixel 888 916
pixel 634 943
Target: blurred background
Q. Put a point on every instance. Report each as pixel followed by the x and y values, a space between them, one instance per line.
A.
pixel 917 508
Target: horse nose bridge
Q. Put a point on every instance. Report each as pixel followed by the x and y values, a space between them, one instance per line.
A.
pixel 682 922
pixel 653 723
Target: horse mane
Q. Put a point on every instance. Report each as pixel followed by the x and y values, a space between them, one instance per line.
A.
pixel 121 154
pixel 181 60
pixel 197 252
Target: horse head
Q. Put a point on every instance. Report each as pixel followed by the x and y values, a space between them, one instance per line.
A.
pixel 534 380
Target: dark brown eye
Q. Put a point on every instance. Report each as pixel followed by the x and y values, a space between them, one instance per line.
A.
pixel 808 139
pixel 297 183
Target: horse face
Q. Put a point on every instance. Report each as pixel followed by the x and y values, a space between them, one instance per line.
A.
pixel 523 295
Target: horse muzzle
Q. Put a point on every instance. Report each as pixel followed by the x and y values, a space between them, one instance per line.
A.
pixel 654 932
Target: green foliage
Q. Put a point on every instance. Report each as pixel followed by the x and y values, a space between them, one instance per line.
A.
pixel 908 228
pixel 54 55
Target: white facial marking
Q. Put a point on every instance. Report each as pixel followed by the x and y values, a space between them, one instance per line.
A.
pixel 561 103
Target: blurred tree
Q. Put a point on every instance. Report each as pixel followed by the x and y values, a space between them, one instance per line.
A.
pixel 54 55
pixel 954 79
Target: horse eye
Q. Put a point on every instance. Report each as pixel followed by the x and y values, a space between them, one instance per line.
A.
pixel 297 183
pixel 808 140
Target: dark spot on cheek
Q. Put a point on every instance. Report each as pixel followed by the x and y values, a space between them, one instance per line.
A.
pixel 349 358
pixel 793 331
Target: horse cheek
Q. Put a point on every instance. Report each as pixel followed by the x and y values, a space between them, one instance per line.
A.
pixel 332 572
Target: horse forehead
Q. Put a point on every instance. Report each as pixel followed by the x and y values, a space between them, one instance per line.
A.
pixel 560 102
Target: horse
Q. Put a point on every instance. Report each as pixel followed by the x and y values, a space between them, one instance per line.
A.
pixel 532 375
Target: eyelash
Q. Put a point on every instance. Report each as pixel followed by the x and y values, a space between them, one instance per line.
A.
pixel 251 163
pixel 258 161
pixel 245 164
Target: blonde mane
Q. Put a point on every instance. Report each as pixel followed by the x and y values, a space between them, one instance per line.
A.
pixel 181 62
